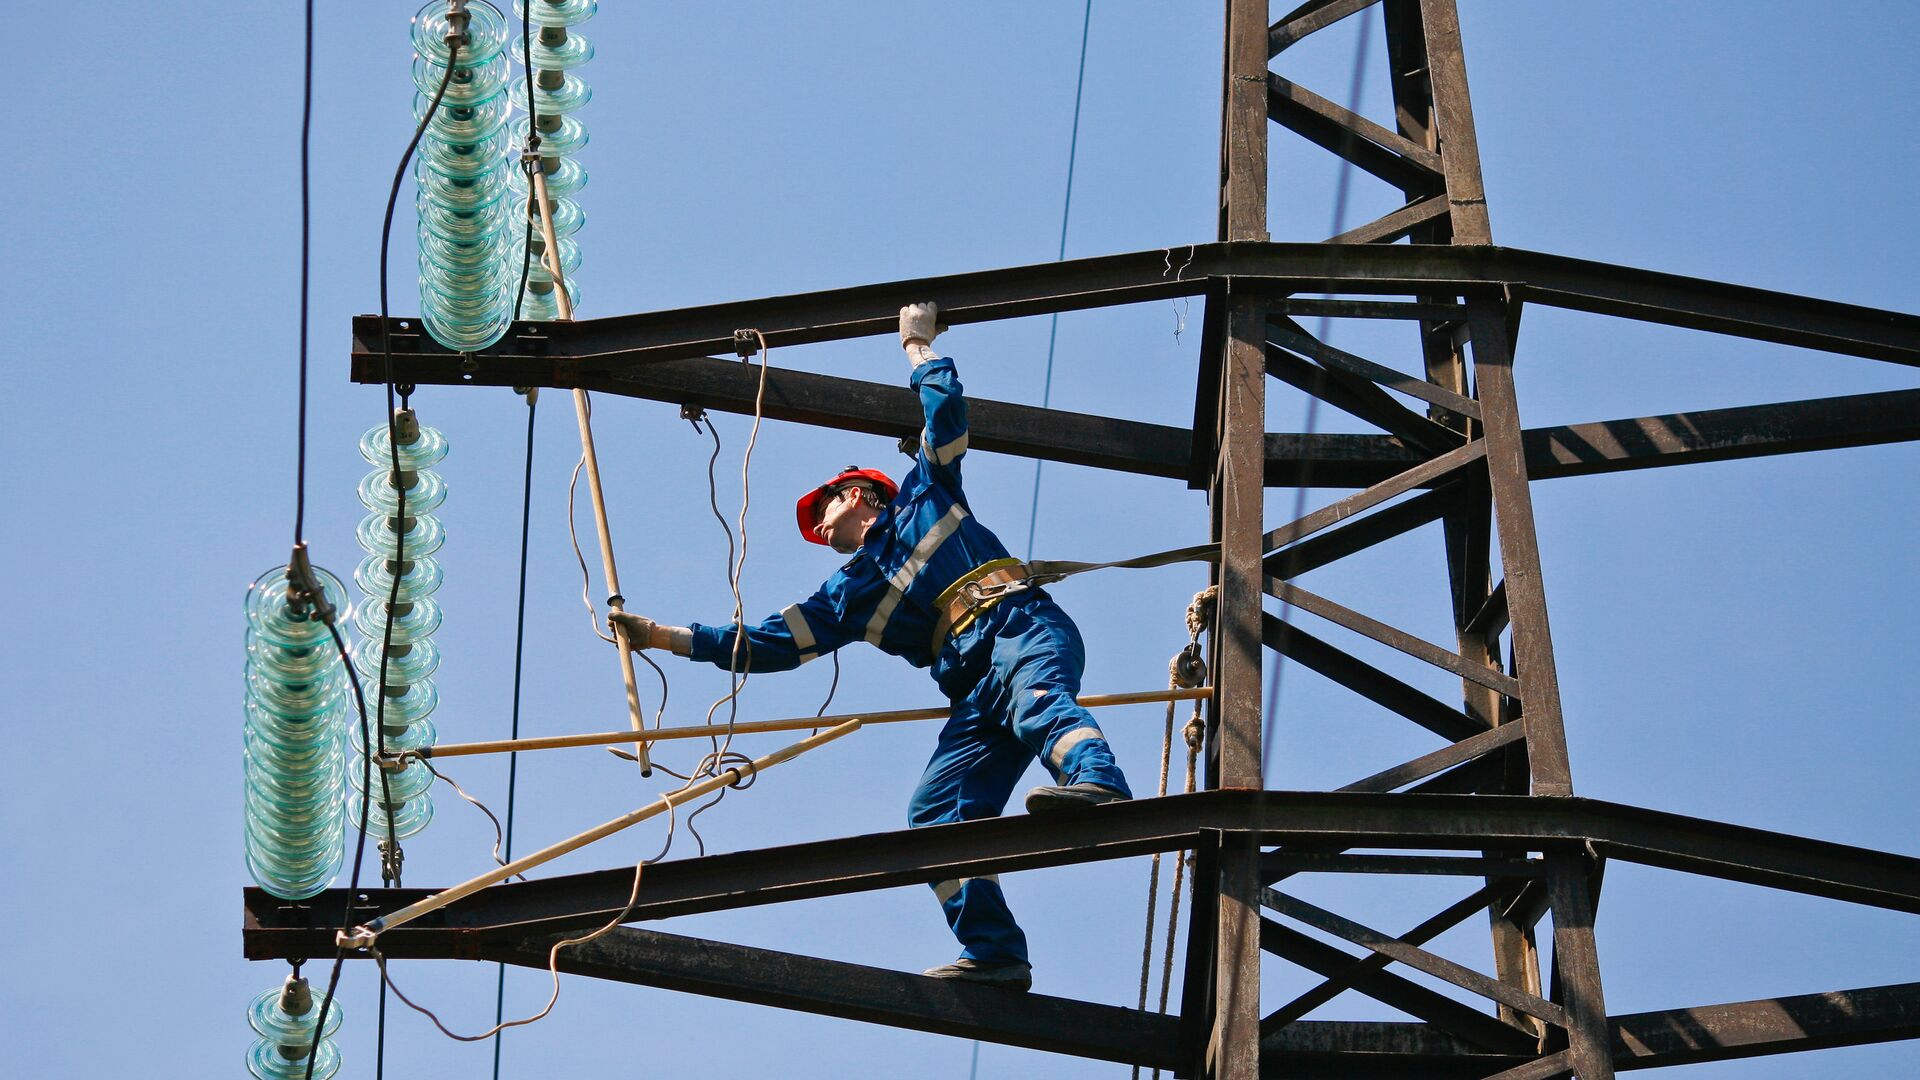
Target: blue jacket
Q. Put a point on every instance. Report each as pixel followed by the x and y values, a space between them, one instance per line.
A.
pixel 924 541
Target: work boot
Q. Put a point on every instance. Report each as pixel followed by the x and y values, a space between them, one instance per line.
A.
pixel 1043 800
pixel 1011 974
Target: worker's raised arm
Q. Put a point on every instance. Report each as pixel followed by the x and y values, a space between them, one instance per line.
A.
pixel 943 439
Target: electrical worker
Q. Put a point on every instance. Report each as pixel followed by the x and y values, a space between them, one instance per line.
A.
pixel 930 584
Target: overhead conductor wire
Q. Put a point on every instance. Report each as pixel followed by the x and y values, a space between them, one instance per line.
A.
pixel 1340 192
pixel 519 653
pixel 526 511
pixel 1053 324
pixel 393 445
pixel 1066 211
pixel 300 471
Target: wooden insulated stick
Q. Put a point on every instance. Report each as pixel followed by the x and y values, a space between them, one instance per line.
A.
pixel 581 414
pixel 364 935
pixel 799 723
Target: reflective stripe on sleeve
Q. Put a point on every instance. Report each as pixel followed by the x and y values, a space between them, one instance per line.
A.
pixel 803 638
pixel 944 455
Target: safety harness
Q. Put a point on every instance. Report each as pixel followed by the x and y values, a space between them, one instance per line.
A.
pixel 979 589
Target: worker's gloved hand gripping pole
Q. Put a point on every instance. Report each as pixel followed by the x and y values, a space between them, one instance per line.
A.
pixel 361 937
pixel 582 413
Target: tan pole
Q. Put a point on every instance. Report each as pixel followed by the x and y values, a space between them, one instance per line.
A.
pixel 362 936
pixel 614 600
pixel 798 723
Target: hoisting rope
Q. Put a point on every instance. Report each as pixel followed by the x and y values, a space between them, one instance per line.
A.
pixel 1187 670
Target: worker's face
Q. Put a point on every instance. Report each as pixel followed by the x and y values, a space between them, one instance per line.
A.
pixel 843 523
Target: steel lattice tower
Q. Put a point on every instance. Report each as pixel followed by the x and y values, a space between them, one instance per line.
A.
pixel 1496 805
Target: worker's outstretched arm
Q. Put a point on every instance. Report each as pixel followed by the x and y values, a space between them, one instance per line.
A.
pixel 781 642
pixel 943 440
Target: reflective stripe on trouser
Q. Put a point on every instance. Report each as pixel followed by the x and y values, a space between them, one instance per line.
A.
pixel 1022 708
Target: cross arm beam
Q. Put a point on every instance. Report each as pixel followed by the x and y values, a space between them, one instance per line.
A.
pixel 276 928
pixel 1326 1049
pixel 561 354
pixel 855 992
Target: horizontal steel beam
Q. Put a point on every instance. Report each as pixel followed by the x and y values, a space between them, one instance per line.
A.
pixel 854 992
pixel 1321 460
pixel 563 354
pixel 275 928
pixel 1787 427
pixel 1330 1049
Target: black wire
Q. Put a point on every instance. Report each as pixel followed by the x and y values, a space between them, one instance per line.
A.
pixel 380 1042
pixel 1313 405
pixel 306 263
pixel 526 506
pixel 513 759
pixel 713 501
pixel 359 849
pixel 393 445
pixel 526 254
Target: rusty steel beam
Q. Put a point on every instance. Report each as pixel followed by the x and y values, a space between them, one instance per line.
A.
pixel 856 992
pixel 1787 427
pixel 1236 485
pixel 1323 820
pixel 1308 18
pixel 1392 226
pixel 562 354
pixel 1336 1050
pixel 1324 460
pixel 1480 1029
pixel 1350 136
pixel 1369 682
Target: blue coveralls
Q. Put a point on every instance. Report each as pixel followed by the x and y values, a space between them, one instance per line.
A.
pixel 1012 674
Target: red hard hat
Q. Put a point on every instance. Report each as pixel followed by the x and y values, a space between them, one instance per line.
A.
pixel 804 509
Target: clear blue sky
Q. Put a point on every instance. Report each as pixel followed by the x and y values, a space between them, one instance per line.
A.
pixel 1735 640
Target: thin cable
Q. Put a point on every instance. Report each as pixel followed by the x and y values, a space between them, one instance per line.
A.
pixel 360 846
pixel 741 659
pixel 306 264
pixel 713 504
pixel 380 1037
pixel 519 656
pixel 526 251
pixel 832 688
pixel 499 856
pixel 743 778
pixel 393 444
pixel 1066 211
pixel 1340 191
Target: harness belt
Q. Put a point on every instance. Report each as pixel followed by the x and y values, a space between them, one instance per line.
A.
pixel 976 591
pixel 989 583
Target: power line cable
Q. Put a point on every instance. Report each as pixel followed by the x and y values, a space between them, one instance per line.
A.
pixel 393 445
pixel 526 507
pixel 306 267
pixel 1341 189
pixel 1066 211
pixel 519 653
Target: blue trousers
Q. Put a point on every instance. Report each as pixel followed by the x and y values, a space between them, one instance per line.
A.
pixel 1022 708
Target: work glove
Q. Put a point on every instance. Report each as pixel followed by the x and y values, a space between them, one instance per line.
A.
pixel 640 629
pixel 919 322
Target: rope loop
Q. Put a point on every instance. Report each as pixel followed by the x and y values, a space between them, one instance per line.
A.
pixel 1200 612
